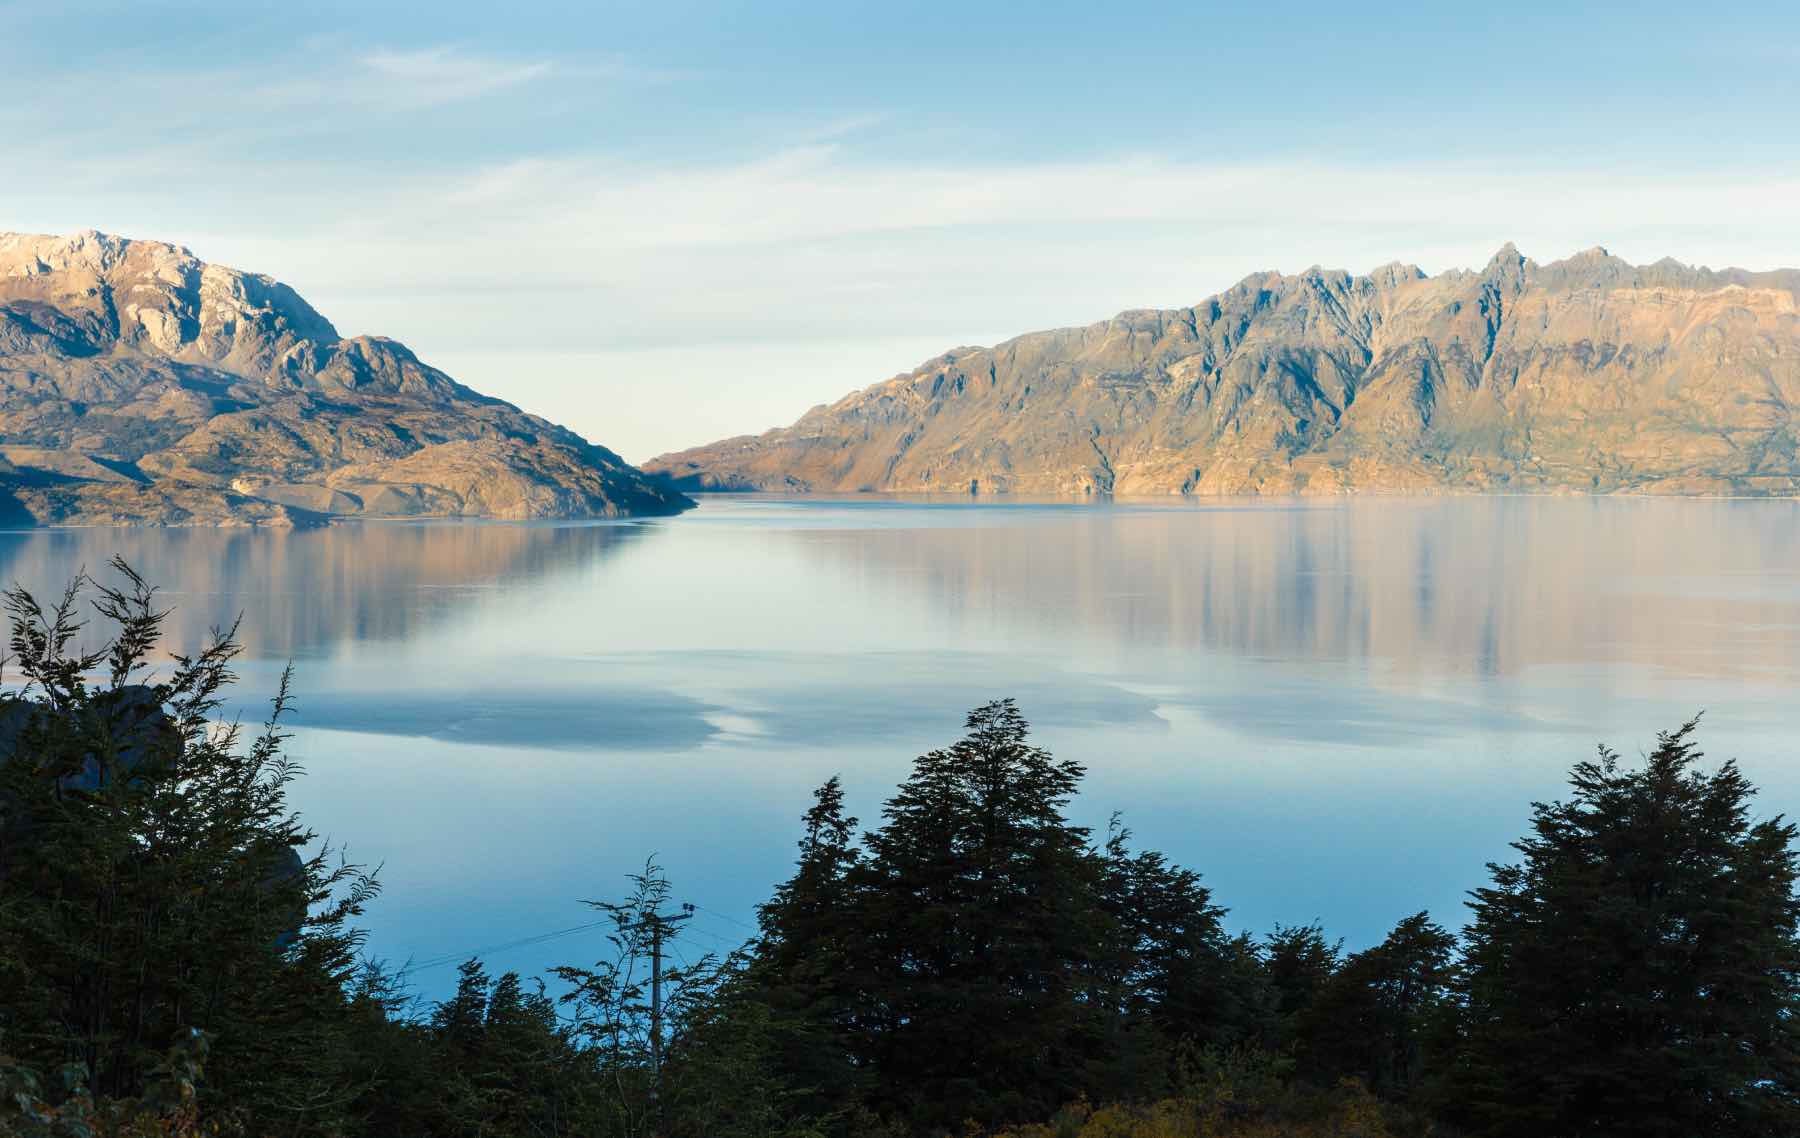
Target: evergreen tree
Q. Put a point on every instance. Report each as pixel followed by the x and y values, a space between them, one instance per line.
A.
pixel 1185 984
pixel 1297 963
pixel 533 1080
pixel 1377 1016
pixel 152 880
pixel 461 1021
pixel 983 945
pixel 803 974
pixel 1635 973
pixel 731 1073
pixel 458 1036
pixel 393 1059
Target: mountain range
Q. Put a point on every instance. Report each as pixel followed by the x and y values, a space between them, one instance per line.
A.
pixel 1588 374
pixel 139 384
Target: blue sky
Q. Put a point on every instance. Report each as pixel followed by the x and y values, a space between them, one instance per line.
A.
pixel 665 223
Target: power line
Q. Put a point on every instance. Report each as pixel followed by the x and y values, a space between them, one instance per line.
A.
pixel 721 939
pixel 523 942
pixel 727 917
pixel 705 949
pixel 542 938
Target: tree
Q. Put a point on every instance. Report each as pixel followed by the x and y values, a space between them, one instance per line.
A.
pixel 153 884
pixel 611 1005
pixel 393 1058
pixel 504 1064
pixel 1298 962
pixel 1635 972
pixel 802 978
pixel 461 1021
pixel 730 1072
pixel 1377 1016
pixel 983 948
pixel 1184 983
pixel 534 1078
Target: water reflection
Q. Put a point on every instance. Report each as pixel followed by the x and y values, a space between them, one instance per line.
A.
pixel 307 592
pixel 1335 709
pixel 1475 586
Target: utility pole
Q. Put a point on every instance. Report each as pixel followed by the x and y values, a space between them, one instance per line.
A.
pixel 658 926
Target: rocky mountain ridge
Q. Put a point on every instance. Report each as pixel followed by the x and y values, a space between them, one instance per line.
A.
pixel 139 384
pixel 1587 374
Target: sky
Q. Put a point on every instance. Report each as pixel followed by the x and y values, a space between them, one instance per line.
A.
pixel 662 224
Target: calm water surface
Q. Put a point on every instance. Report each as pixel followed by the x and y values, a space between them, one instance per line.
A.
pixel 1336 711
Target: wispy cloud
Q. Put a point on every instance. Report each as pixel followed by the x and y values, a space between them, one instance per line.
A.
pixel 316 89
pixel 641 285
pixel 821 193
pixel 395 79
pixel 446 74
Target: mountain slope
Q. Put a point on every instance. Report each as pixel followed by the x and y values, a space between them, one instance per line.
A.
pixel 1587 374
pixel 141 385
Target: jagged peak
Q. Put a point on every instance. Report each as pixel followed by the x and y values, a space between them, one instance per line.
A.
pixel 1320 277
pixel 1394 273
pixel 195 284
pixel 1285 384
pixel 1597 256
pixel 1257 280
pixel 1507 257
pixel 1590 268
pixel 90 249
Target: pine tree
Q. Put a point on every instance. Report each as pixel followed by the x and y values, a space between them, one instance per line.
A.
pixel 461 1020
pixel 984 947
pixel 393 1059
pixel 732 1070
pixel 1635 972
pixel 1297 963
pixel 1184 983
pixel 1376 1018
pixel 535 1081
pixel 803 975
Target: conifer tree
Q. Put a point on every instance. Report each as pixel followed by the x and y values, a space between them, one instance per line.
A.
pixel 1185 984
pixel 1636 972
pixel 461 1020
pixel 1378 1015
pixel 804 971
pixel 985 949
pixel 532 1080
pixel 1297 963
pixel 152 880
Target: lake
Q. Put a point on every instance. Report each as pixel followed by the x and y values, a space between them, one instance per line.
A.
pixel 1335 710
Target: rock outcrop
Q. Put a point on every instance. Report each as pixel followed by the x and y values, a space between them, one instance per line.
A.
pixel 1588 374
pixel 141 385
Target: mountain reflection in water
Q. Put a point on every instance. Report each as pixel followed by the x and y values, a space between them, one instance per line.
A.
pixel 307 592
pixel 1488 586
pixel 1334 709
